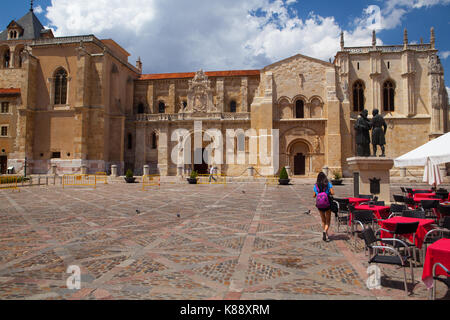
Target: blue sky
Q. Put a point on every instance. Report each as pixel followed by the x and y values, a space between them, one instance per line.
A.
pixel 181 36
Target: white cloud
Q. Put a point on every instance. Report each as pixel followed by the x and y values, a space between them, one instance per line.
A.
pixel 444 54
pixel 38 9
pixel 180 35
pixel 395 10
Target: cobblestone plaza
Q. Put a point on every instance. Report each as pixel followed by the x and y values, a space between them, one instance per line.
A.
pixel 246 241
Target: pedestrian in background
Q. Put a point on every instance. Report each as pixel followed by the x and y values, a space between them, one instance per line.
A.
pixel 323 190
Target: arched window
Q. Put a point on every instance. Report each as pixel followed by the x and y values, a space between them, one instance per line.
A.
pixel 233 106
pixel 60 86
pixel 388 96
pixel 162 107
pixel 299 109
pixel 6 58
pixel 358 96
pixel 154 141
pixel 19 59
pixel 140 108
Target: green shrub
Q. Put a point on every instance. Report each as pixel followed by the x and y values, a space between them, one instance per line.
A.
pixel 194 174
pixel 337 175
pixel 129 173
pixel 283 174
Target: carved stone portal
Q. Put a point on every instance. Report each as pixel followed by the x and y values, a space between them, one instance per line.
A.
pixel 200 95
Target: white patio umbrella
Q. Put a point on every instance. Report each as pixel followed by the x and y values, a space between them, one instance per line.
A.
pixel 430 156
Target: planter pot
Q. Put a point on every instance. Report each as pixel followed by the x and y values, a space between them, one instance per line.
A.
pixel 192 181
pixel 284 182
pixel 130 180
pixel 337 182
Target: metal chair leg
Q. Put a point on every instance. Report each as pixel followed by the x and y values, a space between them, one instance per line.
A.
pixel 434 289
pixel 406 284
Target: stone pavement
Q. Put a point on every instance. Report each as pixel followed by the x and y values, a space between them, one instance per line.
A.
pixel 239 241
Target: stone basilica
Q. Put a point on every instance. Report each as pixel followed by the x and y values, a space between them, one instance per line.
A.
pixel 76 102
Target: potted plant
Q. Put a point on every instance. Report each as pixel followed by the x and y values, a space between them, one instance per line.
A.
pixel 337 178
pixel 129 178
pixel 193 177
pixel 284 177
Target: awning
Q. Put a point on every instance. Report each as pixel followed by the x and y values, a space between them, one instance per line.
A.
pixel 9 91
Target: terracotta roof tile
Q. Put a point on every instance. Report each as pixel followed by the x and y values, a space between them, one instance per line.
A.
pixel 185 75
pixel 10 91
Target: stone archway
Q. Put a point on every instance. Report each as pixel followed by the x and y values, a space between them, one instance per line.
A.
pixel 299 157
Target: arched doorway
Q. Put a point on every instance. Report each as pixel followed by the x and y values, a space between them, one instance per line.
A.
pixel 299 155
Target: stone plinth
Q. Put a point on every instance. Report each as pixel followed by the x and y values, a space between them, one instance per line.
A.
pixel 146 170
pixel 375 169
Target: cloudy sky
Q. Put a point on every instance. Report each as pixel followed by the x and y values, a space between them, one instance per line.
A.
pixel 186 35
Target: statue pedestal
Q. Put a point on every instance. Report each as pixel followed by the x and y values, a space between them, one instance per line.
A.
pixel 371 176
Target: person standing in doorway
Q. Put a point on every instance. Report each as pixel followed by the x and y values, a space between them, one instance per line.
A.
pixel 323 189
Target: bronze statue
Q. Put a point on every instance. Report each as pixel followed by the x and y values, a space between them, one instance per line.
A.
pixel 379 128
pixel 362 127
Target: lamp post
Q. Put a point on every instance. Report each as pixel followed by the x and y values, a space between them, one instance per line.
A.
pixel 25 168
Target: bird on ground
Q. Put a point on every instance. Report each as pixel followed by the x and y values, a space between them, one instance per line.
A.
pixel 307 212
pixel 178 215
pixel 138 211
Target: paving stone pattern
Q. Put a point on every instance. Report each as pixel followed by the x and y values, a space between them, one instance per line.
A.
pixel 239 241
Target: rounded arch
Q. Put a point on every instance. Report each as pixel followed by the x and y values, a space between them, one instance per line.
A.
pixel 284 99
pixel 161 106
pixel 314 98
pixel 233 105
pixel 18 56
pixel 293 143
pixel 300 97
pixel 299 155
pixel 5 57
pixel 284 108
pixel 316 107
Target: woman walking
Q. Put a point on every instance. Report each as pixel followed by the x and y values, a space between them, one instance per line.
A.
pixel 323 189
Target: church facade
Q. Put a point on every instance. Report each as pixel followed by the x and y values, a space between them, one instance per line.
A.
pixel 69 103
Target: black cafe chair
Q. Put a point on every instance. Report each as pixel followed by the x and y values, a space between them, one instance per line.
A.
pixel 417 214
pixel 402 229
pixel 375 244
pixel 396 210
pixel 398 198
pixel 428 206
pixel 445 280
pixel 342 216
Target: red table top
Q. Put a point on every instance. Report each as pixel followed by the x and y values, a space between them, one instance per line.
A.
pixel 381 212
pixel 438 252
pixel 422 230
pixel 424 195
pixel 357 200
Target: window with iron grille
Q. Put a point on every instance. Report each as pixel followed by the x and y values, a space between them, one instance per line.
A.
pixel 4 131
pixel 5 107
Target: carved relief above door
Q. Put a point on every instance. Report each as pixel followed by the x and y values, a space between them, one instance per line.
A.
pixel 200 95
